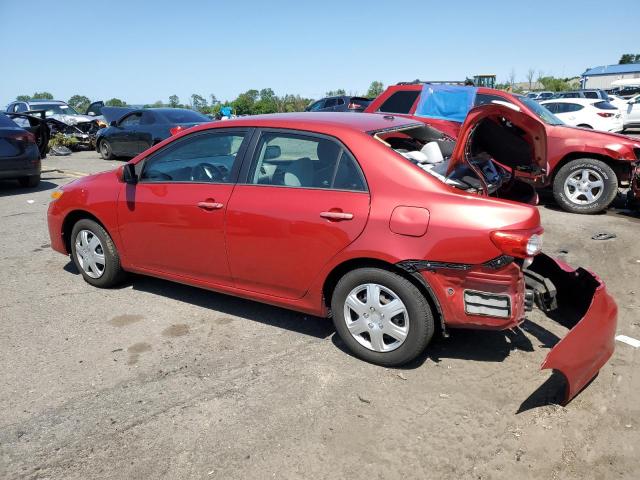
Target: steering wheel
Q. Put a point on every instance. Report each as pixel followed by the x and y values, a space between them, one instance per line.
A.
pixel 205 172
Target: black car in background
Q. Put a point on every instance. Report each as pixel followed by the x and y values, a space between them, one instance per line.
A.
pixel 133 131
pixel 19 153
pixel 339 104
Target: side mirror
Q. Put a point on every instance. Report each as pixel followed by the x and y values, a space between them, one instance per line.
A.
pixel 113 123
pixel 129 174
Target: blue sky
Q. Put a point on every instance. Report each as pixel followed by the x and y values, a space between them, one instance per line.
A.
pixel 145 51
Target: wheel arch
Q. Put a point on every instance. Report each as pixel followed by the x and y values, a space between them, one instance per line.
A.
pixel 620 168
pixel 364 262
pixel 71 219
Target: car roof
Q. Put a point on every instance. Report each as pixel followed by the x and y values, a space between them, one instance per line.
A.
pixel 582 101
pixel 362 122
pixel 36 101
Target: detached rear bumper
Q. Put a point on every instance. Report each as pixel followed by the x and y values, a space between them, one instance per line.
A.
pixel 578 300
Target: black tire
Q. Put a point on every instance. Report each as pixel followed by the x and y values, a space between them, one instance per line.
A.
pixel 604 198
pixel 29 182
pixel 420 325
pixel 106 152
pixel 113 273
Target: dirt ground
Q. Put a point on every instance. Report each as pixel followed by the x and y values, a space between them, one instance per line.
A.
pixel 158 380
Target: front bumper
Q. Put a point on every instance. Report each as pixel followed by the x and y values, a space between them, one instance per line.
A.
pixel 578 300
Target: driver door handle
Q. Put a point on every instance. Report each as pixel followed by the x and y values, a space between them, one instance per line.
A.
pixel 336 216
pixel 210 205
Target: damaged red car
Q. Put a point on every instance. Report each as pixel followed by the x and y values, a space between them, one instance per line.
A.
pixel 379 221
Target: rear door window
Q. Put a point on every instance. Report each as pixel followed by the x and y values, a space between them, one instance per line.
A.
pixel 591 95
pixel 302 161
pixel 400 102
pixel 131 121
pixel 330 102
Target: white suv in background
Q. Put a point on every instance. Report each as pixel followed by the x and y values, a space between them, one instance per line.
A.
pixel 587 113
pixel 631 114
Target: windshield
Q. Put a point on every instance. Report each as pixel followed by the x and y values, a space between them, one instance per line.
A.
pixel 541 112
pixel 55 109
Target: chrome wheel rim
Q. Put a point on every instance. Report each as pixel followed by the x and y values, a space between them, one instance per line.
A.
pixel 584 186
pixel 90 254
pixel 104 147
pixel 376 317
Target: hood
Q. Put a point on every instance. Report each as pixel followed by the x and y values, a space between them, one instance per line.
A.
pixel 113 114
pixel 510 136
pixel 72 119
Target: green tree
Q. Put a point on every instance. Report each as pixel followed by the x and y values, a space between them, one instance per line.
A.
pixel 174 101
pixel 79 102
pixel 23 98
pixel 245 103
pixel 267 103
pixel 335 93
pixel 115 102
pixel 214 100
pixel 375 89
pixel 629 58
pixel 198 102
pixel 43 95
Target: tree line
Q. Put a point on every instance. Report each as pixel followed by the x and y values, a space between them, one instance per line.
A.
pixel 251 102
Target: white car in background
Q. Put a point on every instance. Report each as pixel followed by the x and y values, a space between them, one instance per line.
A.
pixel 587 113
pixel 631 113
pixel 618 102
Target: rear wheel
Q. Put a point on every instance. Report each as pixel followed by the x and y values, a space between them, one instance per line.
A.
pixel 105 150
pixel 30 181
pixel 585 185
pixel 381 316
pixel 95 255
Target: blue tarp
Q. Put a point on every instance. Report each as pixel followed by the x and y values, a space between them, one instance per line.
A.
pixel 446 102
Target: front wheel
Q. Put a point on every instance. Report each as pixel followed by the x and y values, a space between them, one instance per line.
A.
pixel 585 185
pixel 94 254
pixel 105 150
pixel 381 316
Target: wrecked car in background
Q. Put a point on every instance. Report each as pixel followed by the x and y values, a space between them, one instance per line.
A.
pixel 585 167
pixel 62 118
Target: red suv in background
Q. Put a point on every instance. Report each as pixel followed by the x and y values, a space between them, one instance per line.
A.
pixel 585 167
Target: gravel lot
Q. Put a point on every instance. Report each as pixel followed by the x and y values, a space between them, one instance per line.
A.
pixel 159 380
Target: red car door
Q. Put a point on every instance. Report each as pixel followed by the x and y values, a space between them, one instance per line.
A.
pixel 304 200
pixel 172 220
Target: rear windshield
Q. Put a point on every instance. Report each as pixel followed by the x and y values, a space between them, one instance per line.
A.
pixel 363 102
pixel 604 106
pixel 400 102
pixel 184 116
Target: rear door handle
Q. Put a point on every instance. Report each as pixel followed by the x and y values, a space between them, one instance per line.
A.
pixel 337 216
pixel 210 205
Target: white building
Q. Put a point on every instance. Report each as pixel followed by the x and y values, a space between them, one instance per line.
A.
pixel 603 76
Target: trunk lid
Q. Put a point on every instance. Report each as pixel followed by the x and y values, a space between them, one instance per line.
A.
pixel 511 137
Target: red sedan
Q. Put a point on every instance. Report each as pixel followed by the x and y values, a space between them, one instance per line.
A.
pixel 356 216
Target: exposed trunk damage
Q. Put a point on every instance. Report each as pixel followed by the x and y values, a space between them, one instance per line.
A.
pixel 578 300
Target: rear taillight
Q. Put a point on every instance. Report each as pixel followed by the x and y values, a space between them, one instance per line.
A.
pixel 518 243
pixel 605 114
pixel 27 137
pixel 175 130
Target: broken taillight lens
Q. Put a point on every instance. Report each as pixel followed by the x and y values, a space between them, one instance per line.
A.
pixel 518 243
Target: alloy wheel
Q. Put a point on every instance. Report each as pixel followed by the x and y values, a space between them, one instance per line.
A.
pixel 376 317
pixel 584 186
pixel 90 254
